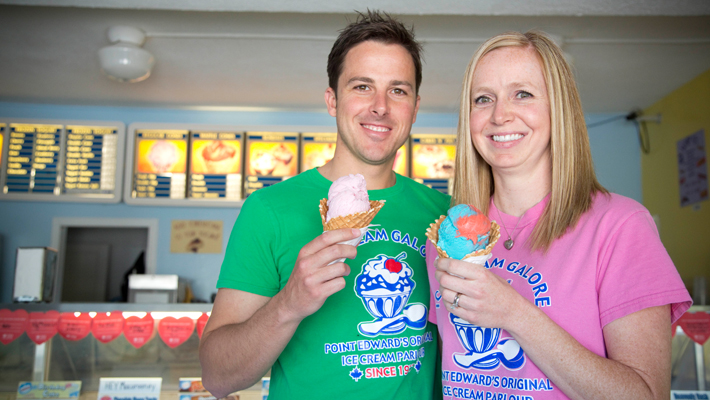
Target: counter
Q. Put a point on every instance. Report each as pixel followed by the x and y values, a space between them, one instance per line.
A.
pixel 88 359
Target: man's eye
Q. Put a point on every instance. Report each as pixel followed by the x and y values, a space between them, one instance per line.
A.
pixel 361 87
pixel 398 91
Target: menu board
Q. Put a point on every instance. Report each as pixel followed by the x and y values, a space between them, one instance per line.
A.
pixel 90 159
pixel 61 160
pixel 433 157
pixel 160 163
pixel 215 165
pixel 271 157
pixel 2 138
pixel 33 159
pixel 316 149
pixel 401 160
pixel 319 148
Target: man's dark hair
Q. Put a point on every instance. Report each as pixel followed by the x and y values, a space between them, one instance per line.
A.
pixel 377 26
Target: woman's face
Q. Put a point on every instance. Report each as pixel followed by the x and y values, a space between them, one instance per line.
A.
pixel 510 114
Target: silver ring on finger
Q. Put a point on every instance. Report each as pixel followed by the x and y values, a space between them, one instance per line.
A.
pixel 455 304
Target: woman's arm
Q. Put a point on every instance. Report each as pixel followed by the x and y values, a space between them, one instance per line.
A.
pixel 638 345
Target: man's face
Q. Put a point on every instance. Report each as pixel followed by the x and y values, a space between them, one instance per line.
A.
pixel 376 103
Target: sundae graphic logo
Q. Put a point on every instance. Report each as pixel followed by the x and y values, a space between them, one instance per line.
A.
pixel 485 351
pixel 385 286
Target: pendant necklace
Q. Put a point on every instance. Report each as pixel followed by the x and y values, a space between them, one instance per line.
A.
pixel 508 244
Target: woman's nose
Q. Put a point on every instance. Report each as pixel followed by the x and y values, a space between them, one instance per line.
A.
pixel 502 112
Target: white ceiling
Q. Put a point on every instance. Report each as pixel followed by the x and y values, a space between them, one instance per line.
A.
pixel 272 54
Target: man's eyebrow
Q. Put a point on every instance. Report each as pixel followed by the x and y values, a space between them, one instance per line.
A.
pixel 365 79
pixel 401 83
pixel 360 79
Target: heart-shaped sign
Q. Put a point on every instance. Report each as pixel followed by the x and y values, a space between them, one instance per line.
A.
pixel 107 326
pixel 696 326
pixel 12 324
pixel 138 331
pixel 74 327
pixel 201 322
pixel 43 326
pixel 175 332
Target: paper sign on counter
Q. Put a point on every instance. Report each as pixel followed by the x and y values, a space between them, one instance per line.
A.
pixel 129 388
pixel 56 390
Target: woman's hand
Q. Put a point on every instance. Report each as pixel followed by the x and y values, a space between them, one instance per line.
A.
pixel 485 299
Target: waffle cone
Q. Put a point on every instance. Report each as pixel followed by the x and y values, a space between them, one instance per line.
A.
pixel 357 220
pixel 432 232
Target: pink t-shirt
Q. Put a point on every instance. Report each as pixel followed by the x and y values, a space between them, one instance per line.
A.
pixel 611 265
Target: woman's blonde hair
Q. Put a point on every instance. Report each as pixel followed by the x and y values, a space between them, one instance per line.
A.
pixel 573 180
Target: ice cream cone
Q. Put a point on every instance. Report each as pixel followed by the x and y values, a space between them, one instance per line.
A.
pixel 358 220
pixel 432 232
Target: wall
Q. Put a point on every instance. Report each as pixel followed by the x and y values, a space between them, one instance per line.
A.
pixel 685 231
pixel 27 224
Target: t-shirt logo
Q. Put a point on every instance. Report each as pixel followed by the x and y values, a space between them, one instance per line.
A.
pixel 485 351
pixel 385 285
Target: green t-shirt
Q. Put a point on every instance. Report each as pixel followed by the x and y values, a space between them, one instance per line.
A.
pixel 369 340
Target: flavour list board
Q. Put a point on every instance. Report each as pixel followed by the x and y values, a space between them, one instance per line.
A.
pixel 271 157
pixel 159 164
pixel 74 161
pixel 433 160
pixel 318 148
pixel 216 165
pixel 171 164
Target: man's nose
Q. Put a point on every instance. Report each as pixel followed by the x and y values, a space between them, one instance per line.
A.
pixel 380 104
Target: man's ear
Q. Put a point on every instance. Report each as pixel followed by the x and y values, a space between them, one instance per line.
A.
pixel 331 101
pixel 416 110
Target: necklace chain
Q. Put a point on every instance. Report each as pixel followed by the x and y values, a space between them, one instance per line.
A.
pixel 508 244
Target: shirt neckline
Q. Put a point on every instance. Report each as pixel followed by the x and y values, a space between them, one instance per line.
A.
pixel 529 218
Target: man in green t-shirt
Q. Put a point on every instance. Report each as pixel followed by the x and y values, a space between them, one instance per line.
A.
pixel 355 329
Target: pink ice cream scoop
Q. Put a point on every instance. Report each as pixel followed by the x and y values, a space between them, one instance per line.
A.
pixel 347 195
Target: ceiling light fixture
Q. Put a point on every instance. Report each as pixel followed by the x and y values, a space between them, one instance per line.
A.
pixel 125 60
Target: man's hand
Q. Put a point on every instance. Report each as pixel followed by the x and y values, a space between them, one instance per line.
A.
pixel 313 280
pixel 232 353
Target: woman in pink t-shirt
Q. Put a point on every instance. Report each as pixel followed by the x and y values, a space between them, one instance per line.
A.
pixel 579 295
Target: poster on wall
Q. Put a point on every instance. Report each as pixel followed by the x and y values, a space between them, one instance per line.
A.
pixel 692 169
pixel 194 236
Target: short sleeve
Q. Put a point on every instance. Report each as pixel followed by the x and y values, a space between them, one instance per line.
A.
pixel 249 259
pixel 636 272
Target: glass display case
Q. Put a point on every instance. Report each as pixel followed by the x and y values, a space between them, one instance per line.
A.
pixel 162 353
pixel 159 355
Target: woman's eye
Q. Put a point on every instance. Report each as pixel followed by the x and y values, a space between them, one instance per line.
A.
pixel 523 94
pixel 482 100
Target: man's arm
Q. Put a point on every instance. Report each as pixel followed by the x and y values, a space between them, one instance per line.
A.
pixel 246 332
